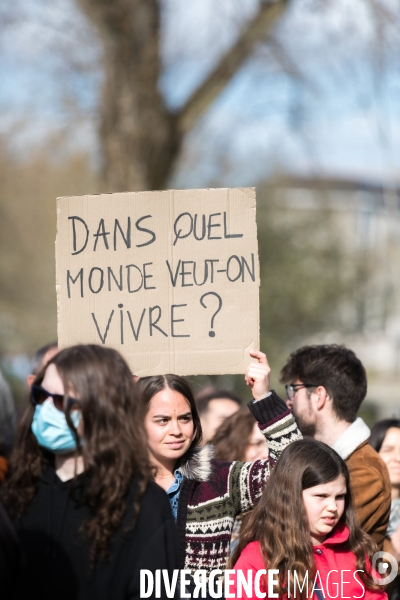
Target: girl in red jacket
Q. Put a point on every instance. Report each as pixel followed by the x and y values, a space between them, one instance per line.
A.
pixel 304 529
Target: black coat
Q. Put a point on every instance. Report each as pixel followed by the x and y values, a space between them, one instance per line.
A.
pixel 56 551
pixel 10 557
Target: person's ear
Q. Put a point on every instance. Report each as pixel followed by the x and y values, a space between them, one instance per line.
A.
pixel 322 397
pixel 30 379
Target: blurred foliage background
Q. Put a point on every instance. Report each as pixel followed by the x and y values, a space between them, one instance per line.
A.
pixel 298 97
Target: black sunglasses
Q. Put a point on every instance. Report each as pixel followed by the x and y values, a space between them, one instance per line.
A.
pixel 39 395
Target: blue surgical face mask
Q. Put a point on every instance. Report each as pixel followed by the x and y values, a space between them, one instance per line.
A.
pixel 51 429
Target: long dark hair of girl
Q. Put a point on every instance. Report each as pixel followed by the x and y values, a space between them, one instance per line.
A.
pixel 150 386
pixel 113 445
pixel 279 522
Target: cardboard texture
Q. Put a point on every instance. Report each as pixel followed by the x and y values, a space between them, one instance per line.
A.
pixel 170 279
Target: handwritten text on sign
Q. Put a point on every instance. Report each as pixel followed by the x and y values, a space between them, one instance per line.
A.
pixel 170 279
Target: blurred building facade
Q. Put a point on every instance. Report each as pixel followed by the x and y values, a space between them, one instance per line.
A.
pixel 366 219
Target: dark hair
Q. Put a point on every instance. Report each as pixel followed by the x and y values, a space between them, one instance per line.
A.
pixel 232 437
pixel 379 431
pixel 7 415
pixel 334 367
pixel 114 446
pixel 280 524
pixel 204 398
pixel 37 359
pixel 150 386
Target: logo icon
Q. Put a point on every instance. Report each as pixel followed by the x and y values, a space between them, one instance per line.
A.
pixel 382 567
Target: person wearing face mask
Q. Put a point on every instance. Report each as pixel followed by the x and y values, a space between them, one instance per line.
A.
pixel 80 495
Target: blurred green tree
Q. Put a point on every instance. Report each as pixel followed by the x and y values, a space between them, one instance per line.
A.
pixel 28 188
pixel 308 278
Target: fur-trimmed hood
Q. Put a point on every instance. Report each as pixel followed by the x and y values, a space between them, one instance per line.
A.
pixel 196 463
pixel 356 434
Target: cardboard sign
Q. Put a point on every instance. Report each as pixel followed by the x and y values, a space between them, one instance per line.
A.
pixel 169 279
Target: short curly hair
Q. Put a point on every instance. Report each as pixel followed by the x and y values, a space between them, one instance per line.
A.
pixel 336 368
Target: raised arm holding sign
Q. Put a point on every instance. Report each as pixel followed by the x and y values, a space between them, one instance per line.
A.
pixel 171 280
pixel 207 495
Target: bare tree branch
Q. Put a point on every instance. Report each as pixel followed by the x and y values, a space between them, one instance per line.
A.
pixel 382 14
pixel 288 64
pixel 208 91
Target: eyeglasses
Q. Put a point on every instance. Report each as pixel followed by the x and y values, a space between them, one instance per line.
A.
pixel 291 388
pixel 39 395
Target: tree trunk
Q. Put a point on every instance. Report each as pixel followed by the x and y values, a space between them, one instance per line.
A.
pixel 140 139
pixel 138 136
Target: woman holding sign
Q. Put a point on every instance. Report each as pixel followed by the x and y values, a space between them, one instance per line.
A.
pixel 80 494
pixel 207 495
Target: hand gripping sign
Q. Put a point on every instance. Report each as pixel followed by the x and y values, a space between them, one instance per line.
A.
pixel 170 279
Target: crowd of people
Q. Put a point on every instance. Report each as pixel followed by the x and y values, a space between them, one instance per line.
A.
pixel 108 477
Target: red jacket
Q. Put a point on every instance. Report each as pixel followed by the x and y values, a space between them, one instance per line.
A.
pixel 336 567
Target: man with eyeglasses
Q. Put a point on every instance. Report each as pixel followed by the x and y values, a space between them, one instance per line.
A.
pixel 325 386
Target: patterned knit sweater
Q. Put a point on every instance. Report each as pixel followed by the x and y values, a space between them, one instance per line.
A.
pixel 213 493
